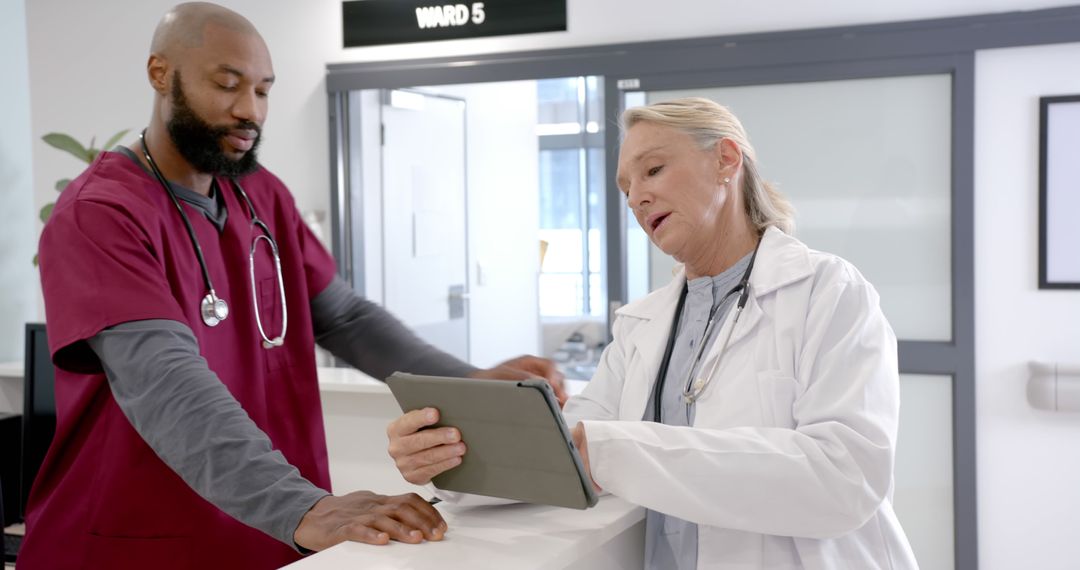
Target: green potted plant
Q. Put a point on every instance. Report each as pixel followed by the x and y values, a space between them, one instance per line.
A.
pixel 73 147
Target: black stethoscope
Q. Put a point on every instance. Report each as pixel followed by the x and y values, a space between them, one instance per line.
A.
pixel 695 387
pixel 214 309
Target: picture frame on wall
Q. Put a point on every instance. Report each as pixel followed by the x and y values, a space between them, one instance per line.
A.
pixel 1059 192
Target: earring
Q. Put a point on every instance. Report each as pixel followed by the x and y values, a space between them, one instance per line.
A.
pixel 726 180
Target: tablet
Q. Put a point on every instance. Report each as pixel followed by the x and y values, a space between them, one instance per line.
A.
pixel 518 444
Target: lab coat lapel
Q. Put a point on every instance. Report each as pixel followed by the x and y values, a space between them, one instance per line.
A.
pixel 749 318
pixel 650 338
pixel 781 261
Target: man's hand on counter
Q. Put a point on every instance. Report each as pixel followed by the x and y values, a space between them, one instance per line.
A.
pixel 364 516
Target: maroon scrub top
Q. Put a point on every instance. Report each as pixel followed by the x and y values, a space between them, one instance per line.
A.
pixel 116 250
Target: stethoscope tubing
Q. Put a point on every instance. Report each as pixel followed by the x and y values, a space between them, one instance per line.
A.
pixel 176 202
pixel 691 393
pixel 218 310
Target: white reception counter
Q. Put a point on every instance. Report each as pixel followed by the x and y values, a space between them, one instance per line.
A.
pixel 523 537
pixel 356 412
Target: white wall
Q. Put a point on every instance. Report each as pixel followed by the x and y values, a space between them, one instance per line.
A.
pixel 595 22
pixel 1028 460
pixel 87 79
pixel 18 217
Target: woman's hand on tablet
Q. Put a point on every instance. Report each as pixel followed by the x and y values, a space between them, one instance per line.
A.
pixel 582 445
pixel 419 453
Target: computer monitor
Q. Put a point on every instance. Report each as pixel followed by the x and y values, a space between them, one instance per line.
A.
pixel 39 408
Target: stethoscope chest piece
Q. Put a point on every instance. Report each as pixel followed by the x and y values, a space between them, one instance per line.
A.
pixel 214 309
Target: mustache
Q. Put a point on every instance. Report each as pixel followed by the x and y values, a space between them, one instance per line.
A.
pixel 240 126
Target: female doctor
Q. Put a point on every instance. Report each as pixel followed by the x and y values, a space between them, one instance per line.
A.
pixel 751 404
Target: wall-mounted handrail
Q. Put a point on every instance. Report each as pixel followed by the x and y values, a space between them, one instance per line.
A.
pixel 1054 386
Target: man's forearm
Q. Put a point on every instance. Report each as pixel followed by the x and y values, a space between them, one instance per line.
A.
pixel 193 423
pixel 372 340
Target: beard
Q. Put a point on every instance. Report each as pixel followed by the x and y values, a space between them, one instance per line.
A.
pixel 200 143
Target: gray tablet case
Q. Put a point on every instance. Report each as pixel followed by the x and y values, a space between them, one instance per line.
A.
pixel 518 446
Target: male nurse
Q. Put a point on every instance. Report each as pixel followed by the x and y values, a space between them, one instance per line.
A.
pixel 184 297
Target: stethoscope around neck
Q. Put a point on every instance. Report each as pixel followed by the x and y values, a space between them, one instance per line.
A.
pixel 695 387
pixel 213 308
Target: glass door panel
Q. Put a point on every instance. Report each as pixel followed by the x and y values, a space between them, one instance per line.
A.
pixel 867 164
pixel 923 497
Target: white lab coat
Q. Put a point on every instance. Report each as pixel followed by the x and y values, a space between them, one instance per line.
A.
pixel 789 463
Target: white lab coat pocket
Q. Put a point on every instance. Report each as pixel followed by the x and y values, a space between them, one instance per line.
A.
pixel 777 393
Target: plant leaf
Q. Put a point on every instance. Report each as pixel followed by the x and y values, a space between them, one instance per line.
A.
pixel 115 139
pixel 62 183
pixel 91 152
pixel 46 211
pixel 35 260
pixel 66 144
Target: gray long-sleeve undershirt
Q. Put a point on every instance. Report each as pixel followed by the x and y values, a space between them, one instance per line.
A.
pixel 190 419
pixel 371 340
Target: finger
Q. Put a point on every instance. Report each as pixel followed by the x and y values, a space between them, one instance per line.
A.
pixel 502 372
pixel 544 368
pixel 404 446
pixel 421 516
pixel 413 467
pixel 539 366
pixel 427 508
pixel 398 530
pixel 359 532
pixel 559 387
pixel 423 475
pixel 430 456
pixel 581 442
pixel 411 422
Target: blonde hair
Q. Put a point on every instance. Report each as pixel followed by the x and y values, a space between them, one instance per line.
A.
pixel 707 122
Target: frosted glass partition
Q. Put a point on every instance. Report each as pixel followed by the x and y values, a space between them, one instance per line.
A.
pixel 924 468
pixel 867 164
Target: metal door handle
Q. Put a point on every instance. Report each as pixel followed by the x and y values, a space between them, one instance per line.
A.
pixel 456 300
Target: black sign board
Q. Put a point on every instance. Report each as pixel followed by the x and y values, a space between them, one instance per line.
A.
pixel 377 22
